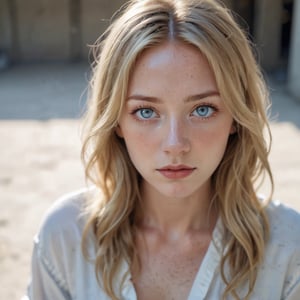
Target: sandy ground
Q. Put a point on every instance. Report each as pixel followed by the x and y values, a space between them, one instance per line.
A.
pixel 40 145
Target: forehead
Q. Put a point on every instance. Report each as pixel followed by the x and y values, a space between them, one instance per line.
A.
pixel 175 64
pixel 170 52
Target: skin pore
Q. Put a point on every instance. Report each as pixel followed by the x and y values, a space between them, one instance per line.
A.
pixel 176 127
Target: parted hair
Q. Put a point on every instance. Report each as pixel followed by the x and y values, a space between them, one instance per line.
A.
pixel 210 27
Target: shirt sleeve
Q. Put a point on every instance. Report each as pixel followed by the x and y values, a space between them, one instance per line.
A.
pixel 46 282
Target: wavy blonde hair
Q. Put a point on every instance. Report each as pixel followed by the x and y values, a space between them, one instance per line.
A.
pixel 210 27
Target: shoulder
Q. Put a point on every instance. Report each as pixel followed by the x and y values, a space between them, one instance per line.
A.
pixel 66 211
pixel 58 263
pixel 284 224
pixel 283 248
pixel 63 224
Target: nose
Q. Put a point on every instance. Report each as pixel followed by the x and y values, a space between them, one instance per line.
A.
pixel 176 140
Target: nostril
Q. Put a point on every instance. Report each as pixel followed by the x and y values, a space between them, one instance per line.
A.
pixel 176 142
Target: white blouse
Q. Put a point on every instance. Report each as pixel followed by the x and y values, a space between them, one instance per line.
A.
pixel 60 272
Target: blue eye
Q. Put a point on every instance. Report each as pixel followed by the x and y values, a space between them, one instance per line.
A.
pixel 203 111
pixel 145 113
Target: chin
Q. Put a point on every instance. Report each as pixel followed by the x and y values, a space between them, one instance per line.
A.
pixel 177 192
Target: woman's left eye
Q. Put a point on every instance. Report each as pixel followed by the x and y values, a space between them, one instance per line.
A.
pixel 203 111
pixel 145 113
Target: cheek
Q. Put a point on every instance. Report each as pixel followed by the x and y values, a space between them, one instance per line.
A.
pixel 214 140
pixel 139 148
pixel 137 139
pixel 139 145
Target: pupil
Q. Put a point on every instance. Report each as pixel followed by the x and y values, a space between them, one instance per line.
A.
pixel 202 110
pixel 146 113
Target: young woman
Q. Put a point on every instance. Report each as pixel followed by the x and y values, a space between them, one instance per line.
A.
pixel 174 145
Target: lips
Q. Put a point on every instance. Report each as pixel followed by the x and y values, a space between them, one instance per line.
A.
pixel 176 172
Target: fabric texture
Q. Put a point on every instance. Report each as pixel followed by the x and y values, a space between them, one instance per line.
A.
pixel 60 272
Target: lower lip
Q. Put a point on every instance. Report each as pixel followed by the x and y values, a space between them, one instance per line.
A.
pixel 176 174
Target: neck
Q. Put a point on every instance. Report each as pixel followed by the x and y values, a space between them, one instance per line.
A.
pixel 176 217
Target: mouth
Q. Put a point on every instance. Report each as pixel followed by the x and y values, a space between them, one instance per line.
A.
pixel 176 172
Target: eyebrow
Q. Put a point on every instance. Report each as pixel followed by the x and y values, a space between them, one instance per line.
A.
pixel 188 99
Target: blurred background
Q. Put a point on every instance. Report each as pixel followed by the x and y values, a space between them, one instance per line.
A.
pixel 44 73
pixel 47 31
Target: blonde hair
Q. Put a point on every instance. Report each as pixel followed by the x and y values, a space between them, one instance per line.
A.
pixel 210 27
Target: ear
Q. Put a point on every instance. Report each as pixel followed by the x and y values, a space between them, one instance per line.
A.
pixel 233 128
pixel 118 131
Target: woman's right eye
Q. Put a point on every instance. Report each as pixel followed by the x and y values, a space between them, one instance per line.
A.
pixel 145 113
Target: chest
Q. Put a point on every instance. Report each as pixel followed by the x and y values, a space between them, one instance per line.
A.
pixel 168 273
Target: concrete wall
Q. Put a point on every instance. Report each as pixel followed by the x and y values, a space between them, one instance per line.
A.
pixel 44 29
pixel 294 62
pixel 267 31
pixel 52 30
pixel 5 26
pixel 47 30
pixel 95 17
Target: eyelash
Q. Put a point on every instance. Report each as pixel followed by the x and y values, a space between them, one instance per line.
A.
pixel 209 105
pixel 135 110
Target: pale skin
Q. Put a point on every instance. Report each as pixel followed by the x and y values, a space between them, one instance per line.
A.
pixel 176 128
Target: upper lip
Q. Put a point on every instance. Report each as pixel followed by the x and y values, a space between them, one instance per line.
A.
pixel 175 168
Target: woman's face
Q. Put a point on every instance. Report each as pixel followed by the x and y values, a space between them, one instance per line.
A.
pixel 174 123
